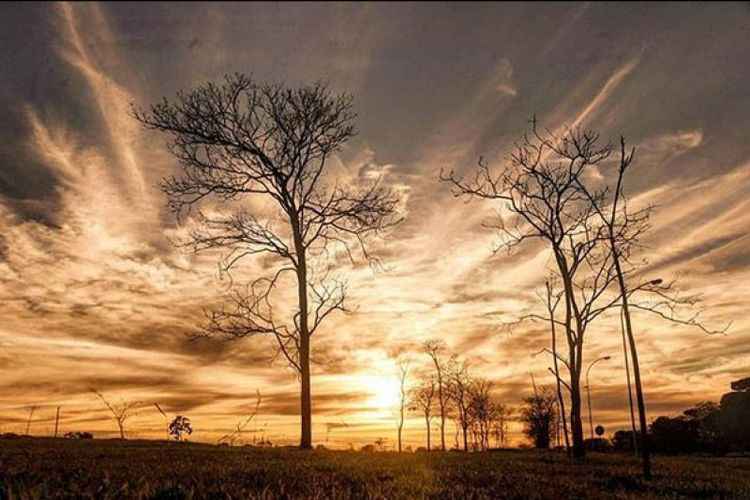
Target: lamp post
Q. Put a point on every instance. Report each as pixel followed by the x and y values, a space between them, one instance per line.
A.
pixel 588 391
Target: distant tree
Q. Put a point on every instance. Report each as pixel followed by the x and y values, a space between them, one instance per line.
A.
pixel 120 412
pixel 78 435
pixel 241 140
pixel 436 350
pixel 623 440
pixel 179 427
pixel 231 438
pixel 539 415
pixel 423 401
pixel 742 385
pixel 32 409
pixel 459 386
pixel 500 424
pixel 483 412
pixel 403 371
pixel 380 444
pixel 735 415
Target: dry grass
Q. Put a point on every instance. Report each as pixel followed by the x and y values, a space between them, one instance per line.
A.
pixel 46 468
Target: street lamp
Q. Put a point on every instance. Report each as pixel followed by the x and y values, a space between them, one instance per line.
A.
pixel 588 391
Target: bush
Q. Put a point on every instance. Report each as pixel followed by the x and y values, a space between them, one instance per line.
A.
pixel 78 435
pixel 600 445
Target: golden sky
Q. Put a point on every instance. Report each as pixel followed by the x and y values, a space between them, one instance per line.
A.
pixel 94 294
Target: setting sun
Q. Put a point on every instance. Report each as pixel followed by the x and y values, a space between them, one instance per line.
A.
pixel 384 390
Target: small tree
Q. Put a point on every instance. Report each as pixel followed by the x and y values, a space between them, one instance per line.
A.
pixel 232 437
pixel 423 401
pixel 403 369
pixel 459 391
pixel 121 412
pixel 539 415
pixel 180 426
pixel 436 350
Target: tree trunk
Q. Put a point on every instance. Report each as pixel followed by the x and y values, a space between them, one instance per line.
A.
pixel 560 399
pixel 427 422
pixel 575 345
pixel 442 404
pixel 57 420
pixel 304 347
pixel 630 390
pixel 466 441
pixel 576 424
pixel 645 451
pixel 122 429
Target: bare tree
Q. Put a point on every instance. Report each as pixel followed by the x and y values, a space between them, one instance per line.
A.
pixel 548 191
pixel 500 424
pixel 436 350
pixel 121 411
pixel 622 229
pixel 57 420
pixel 233 436
pixel 423 401
pixel 403 372
pixel 459 391
pixel 539 189
pixel 482 411
pixel 552 300
pixel 239 140
pixel 32 409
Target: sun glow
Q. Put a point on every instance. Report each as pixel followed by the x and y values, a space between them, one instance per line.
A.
pixel 385 392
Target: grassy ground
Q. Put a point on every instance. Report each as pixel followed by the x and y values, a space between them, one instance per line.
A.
pixel 46 468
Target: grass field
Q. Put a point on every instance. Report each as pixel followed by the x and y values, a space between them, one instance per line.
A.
pixel 46 468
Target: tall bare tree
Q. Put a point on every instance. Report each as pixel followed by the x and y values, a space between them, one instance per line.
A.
pixel 240 139
pixel 423 401
pixel 622 229
pixel 552 300
pixel 121 411
pixel 483 412
pixel 553 190
pixel 538 188
pixel 436 350
pixel 32 409
pixel 403 372
pixel 459 389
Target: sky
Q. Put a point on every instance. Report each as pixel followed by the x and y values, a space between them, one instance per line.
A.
pixel 95 295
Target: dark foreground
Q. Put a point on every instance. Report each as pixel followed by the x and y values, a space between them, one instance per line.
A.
pixel 46 468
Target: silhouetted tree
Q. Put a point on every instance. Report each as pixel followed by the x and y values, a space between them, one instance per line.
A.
pixel 622 229
pixel 403 372
pixel 459 391
pixel 179 427
pixel 32 409
pixel 232 437
pixel 539 189
pixel 547 187
pixel 239 140
pixel 539 415
pixel 735 415
pixel 436 350
pixel 500 425
pixel 483 412
pixel 121 411
pixel 423 400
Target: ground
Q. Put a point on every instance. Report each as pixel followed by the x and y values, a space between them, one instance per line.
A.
pixel 47 468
